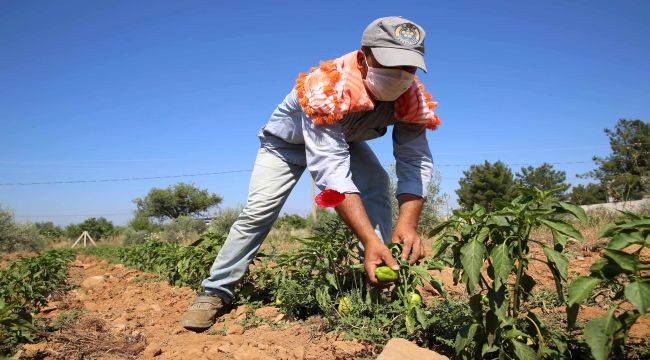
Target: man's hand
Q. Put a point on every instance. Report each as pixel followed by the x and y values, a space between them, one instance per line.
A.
pixel 412 249
pixel 375 254
pixel 351 210
pixel 410 207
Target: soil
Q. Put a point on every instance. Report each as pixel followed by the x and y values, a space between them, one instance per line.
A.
pixel 127 314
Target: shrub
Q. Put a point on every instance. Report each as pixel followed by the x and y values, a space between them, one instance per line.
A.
pixel 291 221
pixel 18 237
pixel 182 229
pixel 98 228
pixel 24 287
pixel 223 219
pixel 135 237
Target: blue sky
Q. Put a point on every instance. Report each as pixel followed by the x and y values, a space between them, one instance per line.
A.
pixel 99 90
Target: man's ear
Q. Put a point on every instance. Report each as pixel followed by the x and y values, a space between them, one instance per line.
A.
pixel 362 63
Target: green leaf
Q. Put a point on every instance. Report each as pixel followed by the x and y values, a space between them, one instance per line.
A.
pixel 606 231
pixel 581 288
pixel 438 228
pixel 464 337
pixel 437 284
pixel 623 239
pixel 624 260
pixel 563 228
pixel 471 257
pixel 439 246
pixel 559 238
pixel 579 291
pixel 502 263
pixel 636 224
pixel 599 335
pixel 523 351
pixel 638 293
pixel 577 211
pixel 560 261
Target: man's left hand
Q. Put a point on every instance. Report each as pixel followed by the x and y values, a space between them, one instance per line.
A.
pixel 412 245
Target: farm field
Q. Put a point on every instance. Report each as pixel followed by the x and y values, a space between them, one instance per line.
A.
pixel 112 310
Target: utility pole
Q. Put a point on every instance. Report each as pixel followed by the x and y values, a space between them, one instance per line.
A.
pixel 313 198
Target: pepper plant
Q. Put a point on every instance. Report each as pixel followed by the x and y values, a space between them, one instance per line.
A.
pixel 490 254
pixel 410 277
pixel 622 275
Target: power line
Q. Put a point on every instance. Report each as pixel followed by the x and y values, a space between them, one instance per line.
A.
pixel 122 179
pixel 241 171
pixel 72 215
pixel 156 159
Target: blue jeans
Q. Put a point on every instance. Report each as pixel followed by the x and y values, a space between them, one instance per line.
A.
pixel 271 182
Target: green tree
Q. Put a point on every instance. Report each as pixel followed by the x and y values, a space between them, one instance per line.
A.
pixel 97 228
pixel 626 171
pixel 544 177
pixel 49 230
pixel 588 194
pixel 176 200
pixel 484 183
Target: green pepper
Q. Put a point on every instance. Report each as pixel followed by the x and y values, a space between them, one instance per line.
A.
pixel 385 274
pixel 345 305
pixel 414 299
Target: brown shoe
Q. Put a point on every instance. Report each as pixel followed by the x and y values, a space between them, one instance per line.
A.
pixel 203 312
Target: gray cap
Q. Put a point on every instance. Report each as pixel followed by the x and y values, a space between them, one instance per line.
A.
pixel 395 41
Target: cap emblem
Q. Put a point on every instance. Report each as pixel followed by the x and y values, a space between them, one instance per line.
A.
pixel 407 34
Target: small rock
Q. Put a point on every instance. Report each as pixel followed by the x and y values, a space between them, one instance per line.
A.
pixel 278 318
pixel 267 312
pixel 241 310
pixel 93 282
pixel 235 329
pixel 400 349
pixel 152 350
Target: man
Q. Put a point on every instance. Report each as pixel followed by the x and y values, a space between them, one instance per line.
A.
pixel 322 125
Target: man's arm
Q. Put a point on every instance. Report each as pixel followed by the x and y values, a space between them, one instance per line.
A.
pixel 328 161
pixel 410 207
pixel 414 168
pixel 351 210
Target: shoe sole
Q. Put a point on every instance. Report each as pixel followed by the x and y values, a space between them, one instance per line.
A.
pixel 196 327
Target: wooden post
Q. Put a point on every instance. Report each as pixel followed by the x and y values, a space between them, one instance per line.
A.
pixel 313 199
pixel 85 236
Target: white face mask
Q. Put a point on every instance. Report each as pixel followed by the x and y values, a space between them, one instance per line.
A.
pixel 388 84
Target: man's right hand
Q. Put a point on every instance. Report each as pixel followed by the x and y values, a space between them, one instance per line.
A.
pixel 376 254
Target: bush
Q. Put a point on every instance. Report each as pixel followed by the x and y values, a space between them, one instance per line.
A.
pixel 18 237
pixel 135 237
pixel 182 229
pixel 224 218
pixel 98 228
pixel 180 265
pixel 291 221
pixel 49 230
pixel 24 287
